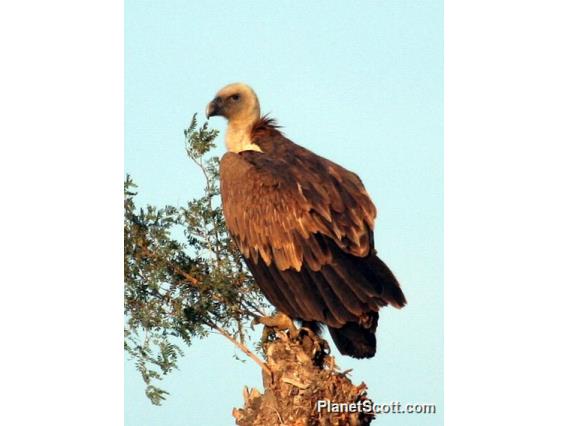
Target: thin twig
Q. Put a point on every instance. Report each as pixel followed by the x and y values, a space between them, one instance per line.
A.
pixel 295 383
pixel 279 416
pixel 193 281
pixel 208 189
pixel 241 346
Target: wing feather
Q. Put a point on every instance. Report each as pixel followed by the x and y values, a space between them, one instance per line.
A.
pixel 274 206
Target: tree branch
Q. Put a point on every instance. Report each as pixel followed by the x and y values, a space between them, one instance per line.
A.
pixel 241 346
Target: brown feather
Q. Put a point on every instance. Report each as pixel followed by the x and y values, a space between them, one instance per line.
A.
pixel 336 313
pixel 305 227
pixel 346 296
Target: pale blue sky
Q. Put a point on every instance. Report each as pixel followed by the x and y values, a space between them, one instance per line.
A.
pixel 358 82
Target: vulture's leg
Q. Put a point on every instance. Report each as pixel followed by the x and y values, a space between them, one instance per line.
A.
pixel 279 321
pixel 311 339
pixel 312 327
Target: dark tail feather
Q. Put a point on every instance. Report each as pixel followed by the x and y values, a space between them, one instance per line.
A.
pixel 356 340
pixel 380 273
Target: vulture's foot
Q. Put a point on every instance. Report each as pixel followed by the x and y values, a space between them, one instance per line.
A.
pixel 312 343
pixel 278 322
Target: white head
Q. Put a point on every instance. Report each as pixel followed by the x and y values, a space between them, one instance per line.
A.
pixel 238 103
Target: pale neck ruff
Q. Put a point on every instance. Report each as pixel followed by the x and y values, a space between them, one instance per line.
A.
pixel 238 139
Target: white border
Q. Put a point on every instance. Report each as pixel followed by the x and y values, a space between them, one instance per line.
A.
pixel 61 174
pixel 505 212
pixel 61 216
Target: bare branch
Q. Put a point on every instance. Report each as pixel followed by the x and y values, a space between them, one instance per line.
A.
pixel 241 346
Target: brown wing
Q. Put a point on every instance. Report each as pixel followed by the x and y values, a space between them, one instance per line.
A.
pixel 279 208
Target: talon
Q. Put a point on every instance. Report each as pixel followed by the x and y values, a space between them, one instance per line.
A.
pixel 279 321
pixel 311 333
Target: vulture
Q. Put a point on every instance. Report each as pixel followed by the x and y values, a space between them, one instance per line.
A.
pixel 304 226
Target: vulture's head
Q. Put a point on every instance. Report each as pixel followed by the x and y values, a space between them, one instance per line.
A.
pixel 236 102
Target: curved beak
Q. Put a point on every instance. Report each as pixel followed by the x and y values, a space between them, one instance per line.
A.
pixel 215 107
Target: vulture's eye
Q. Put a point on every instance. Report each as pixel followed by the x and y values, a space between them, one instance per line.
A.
pixel 235 97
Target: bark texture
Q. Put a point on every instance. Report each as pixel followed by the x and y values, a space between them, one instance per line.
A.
pixel 302 373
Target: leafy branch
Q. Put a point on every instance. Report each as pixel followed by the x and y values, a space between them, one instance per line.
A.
pixel 183 275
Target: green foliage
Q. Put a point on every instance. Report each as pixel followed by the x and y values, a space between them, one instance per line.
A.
pixel 183 275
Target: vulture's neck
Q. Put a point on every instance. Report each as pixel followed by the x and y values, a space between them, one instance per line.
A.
pixel 238 137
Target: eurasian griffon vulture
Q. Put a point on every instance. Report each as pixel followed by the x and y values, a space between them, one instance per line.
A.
pixel 304 226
